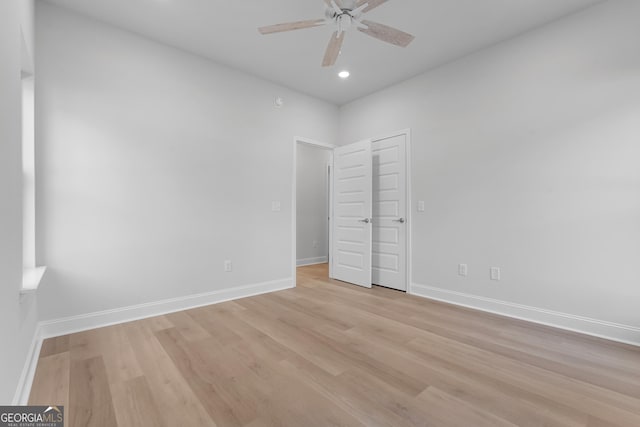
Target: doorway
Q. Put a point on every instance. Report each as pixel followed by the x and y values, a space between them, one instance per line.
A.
pixel 311 204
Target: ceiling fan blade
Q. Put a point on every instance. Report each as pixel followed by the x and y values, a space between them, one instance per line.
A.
pixel 387 34
pixel 333 49
pixel 290 26
pixel 330 3
pixel 372 4
pixel 359 10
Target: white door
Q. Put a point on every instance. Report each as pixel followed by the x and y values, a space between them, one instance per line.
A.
pixel 352 197
pixel 389 251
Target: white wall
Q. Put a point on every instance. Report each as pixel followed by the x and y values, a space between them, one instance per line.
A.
pixel 157 166
pixel 528 157
pixel 26 16
pixel 17 315
pixel 312 205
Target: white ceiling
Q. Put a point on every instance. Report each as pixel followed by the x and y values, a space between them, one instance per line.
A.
pixel 226 32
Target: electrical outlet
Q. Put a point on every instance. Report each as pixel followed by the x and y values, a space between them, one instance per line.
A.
pixel 228 266
pixel 421 206
pixel 463 269
pixel 495 273
pixel 275 206
pixel 315 243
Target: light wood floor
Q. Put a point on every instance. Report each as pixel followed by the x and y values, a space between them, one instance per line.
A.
pixel 332 354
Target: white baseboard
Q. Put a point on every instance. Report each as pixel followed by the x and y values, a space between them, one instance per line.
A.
pixel 29 370
pixel 68 325
pixel 312 261
pixel 602 329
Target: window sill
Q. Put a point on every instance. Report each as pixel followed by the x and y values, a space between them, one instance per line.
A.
pixel 31 278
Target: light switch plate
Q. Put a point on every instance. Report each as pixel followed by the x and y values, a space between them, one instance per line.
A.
pixel 495 273
pixel 228 266
pixel 421 206
pixel 275 206
pixel 463 269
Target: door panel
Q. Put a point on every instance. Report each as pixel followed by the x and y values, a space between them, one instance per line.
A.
pixel 352 198
pixel 389 209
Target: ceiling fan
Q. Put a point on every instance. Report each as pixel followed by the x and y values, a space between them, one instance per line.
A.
pixel 344 15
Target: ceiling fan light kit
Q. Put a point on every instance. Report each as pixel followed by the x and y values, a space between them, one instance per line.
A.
pixel 345 15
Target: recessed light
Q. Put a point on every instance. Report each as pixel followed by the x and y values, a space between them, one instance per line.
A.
pixel 344 74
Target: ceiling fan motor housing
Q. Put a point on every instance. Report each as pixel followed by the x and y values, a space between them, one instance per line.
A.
pixel 344 22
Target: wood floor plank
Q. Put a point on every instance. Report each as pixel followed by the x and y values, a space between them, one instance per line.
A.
pixel 188 327
pixel 450 411
pixel 134 404
pixel 112 345
pixel 327 353
pixel 51 381
pixel 214 322
pixel 119 358
pixel 211 375
pixel 54 345
pixel 90 401
pixel 309 310
pixel 338 393
pixel 385 369
pixel 502 398
pixel 169 389
pixel 263 344
pixel 294 339
pixel 290 400
pixel 585 397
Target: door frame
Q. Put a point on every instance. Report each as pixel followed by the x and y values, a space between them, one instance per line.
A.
pixel 409 228
pixel 294 205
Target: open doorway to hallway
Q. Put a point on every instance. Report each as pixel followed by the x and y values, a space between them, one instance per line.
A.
pixel 312 204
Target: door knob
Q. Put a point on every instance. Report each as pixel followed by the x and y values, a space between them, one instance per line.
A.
pixel 366 220
pixel 400 220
